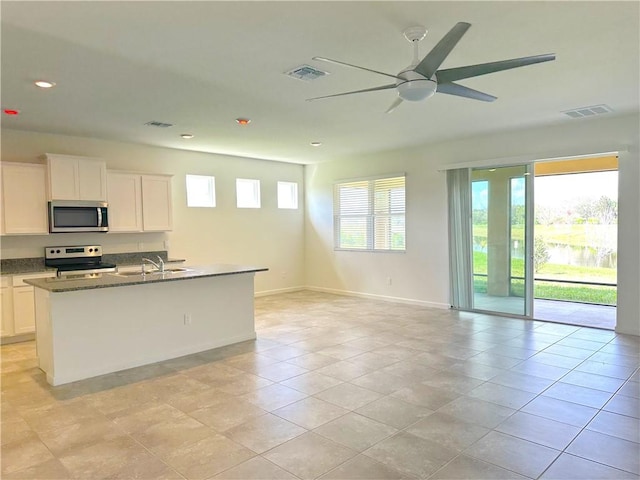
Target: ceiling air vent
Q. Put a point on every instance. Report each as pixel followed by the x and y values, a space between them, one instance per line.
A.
pixel 588 111
pixel 153 123
pixel 306 73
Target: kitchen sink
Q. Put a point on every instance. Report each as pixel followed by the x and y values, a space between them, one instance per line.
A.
pixel 126 274
pixel 153 272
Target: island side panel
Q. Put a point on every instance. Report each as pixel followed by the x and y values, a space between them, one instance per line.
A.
pixel 105 330
pixel 44 337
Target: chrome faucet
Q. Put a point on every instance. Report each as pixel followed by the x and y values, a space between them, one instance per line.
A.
pixel 159 265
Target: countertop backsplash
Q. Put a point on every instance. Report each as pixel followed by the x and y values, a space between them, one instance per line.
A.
pixel 9 266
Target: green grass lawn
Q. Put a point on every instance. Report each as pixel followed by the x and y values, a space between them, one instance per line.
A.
pixel 555 291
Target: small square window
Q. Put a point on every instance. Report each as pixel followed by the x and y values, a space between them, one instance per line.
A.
pixel 201 191
pixel 288 195
pixel 247 193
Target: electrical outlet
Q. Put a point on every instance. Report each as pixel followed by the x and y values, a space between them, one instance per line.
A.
pixel 166 244
pixel 187 319
pixel 389 281
pixel 140 246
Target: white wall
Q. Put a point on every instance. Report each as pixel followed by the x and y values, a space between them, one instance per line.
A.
pixel 421 274
pixel 629 242
pixel 267 237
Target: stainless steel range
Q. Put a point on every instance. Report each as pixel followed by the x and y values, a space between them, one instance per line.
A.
pixel 77 260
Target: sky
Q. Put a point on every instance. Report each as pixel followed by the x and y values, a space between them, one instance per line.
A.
pixel 554 190
pixel 557 189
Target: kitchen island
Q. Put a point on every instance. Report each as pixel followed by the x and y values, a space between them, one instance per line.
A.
pixel 96 324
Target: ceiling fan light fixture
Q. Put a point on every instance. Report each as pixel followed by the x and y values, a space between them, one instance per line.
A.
pixel 417 90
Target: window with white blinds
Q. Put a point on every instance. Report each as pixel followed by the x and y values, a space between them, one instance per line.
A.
pixel 369 214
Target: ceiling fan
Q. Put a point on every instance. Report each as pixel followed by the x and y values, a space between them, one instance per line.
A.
pixel 422 79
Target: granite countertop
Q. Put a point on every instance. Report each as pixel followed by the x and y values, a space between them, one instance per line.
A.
pixel 17 266
pixel 108 280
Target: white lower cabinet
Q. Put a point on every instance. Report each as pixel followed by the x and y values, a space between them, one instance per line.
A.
pixel 6 307
pixel 18 304
pixel 24 313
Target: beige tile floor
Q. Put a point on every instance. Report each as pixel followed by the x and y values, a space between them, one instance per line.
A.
pixel 342 388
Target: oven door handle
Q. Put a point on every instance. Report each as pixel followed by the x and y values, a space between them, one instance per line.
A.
pixel 99 216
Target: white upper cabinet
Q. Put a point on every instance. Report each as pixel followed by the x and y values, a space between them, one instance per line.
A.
pixel 125 202
pixel 156 203
pixel 139 203
pixel 24 201
pixel 76 178
pixel 92 180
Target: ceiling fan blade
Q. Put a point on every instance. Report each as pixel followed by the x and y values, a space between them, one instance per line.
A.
pixel 374 89
pixel 459 73
pixel 460 91
pixel 329 60
pixel 394 105
pixel 430 64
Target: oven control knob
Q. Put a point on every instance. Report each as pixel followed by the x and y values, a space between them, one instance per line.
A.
pixel 52 251
pixel 57 251
pixel 95 250
pixel 90 250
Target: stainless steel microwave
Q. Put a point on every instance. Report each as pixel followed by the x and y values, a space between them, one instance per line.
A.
pixel 78 216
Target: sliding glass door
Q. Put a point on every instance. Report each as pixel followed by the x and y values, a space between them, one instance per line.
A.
pixel 501 240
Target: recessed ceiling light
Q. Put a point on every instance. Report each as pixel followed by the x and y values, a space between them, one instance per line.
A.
pixel 492 169
pixel 316 144
pixel 44 84
pixel 187 135
pixel 243 121
pixel 10 111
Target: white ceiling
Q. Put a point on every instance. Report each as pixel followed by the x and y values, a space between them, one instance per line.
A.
pixel 200 65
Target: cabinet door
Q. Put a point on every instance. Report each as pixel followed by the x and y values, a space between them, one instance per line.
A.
pixel 156 203
pixel 24 313
pixel 6 308
pixel 92 175
pixel 125 202
pixel 2 202
pixel 64 180
pixel 24 201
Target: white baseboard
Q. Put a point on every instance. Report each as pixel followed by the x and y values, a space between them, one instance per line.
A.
pixel 634 330
pixel 276 291
pixel 24 337
pixel 384 298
